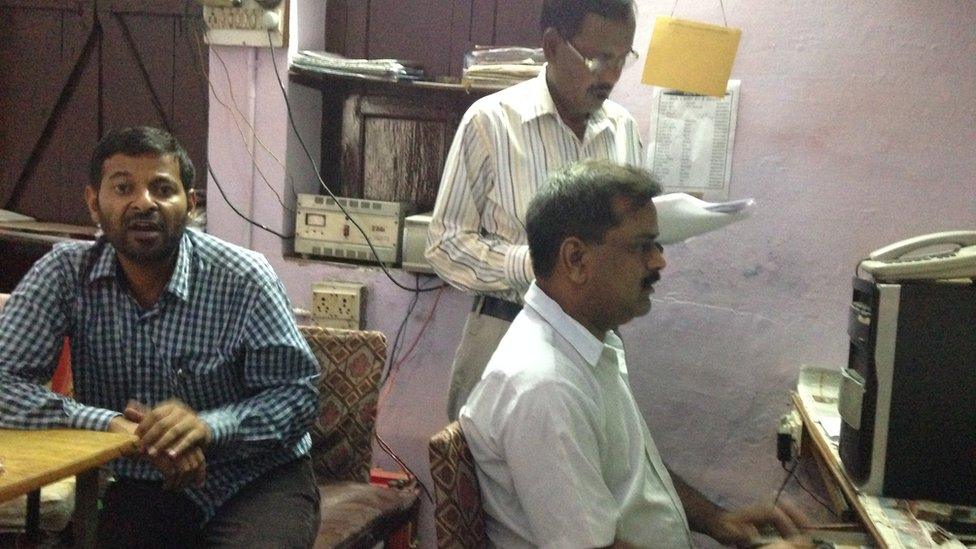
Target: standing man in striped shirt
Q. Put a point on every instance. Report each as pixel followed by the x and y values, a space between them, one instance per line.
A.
pixel 181 339
pixel 504 150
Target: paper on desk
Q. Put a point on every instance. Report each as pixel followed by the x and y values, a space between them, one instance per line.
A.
pixel 900 529
pixel 819 388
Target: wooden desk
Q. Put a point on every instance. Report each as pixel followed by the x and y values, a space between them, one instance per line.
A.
pixel 32 459
pixel 890 523
pixel 832 471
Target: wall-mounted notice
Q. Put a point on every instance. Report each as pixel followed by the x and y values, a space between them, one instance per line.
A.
pixel 689 147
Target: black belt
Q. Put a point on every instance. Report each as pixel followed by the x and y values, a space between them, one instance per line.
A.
pixel 498 308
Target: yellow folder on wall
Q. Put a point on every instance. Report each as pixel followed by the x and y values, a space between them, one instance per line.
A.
pixel 690 56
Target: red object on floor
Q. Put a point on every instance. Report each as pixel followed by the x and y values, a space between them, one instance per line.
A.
pixel 401 538
pixel 61 382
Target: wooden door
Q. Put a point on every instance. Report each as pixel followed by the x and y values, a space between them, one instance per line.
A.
pixel 70 71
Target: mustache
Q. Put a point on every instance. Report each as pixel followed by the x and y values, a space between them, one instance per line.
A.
pixel 152 218
pixel 650 280
pixel 601 89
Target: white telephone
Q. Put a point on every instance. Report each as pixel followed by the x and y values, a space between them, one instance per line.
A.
pixel 897 262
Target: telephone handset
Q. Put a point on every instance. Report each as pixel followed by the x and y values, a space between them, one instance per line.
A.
pixel 897 262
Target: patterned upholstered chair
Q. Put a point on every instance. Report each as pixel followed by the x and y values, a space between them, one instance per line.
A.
pixel 355 513
pixel 458 516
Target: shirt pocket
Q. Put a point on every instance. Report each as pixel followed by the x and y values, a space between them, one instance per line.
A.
pixel 208 379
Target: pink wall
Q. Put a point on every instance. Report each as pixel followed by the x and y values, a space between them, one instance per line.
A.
pixel 857 127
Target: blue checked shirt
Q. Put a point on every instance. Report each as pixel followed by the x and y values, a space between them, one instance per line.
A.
pixel 221 338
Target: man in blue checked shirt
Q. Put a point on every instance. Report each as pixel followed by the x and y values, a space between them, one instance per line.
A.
pixel 182 339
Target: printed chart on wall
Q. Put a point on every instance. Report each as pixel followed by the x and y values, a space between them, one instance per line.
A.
pixel 690 143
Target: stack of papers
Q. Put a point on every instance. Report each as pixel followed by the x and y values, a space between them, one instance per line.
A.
pixel 394 69
pixel 502 66
pixel 682 216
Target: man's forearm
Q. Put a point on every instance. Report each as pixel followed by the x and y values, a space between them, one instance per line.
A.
pixel 273 417
pixel 701 511
pixel 27 405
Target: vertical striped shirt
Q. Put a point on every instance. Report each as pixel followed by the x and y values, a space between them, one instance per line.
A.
pixel 221 338
pixel 503 152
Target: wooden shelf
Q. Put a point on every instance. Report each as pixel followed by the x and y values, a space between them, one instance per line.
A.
pixel 384 139
pixel 327 79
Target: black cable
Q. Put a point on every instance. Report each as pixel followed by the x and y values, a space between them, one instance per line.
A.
pixel 786 480
pixel 235 111
pixel 197 60
pixel 815 497
pixel 318 174
pixel 791 474
pixel 242 216
pixel 389 451
pixel 391 360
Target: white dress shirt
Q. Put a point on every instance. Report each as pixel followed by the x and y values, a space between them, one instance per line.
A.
pixel 563 455
pixel 503 152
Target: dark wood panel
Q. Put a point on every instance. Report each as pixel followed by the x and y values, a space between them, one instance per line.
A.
pixel 44 51
pixel 191 95
pixel 416 31
pixel 482 24
pixel 460 36
pixel 403 160
pixel 137 74
pixel 404 148
pixel 53 189
pixel 517 23
pixel 152 75
pixel 347 27
pixel 68 73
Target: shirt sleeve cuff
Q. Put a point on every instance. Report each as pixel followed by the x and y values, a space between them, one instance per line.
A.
pixel 518 267
pixel 91 418
pixel 223 426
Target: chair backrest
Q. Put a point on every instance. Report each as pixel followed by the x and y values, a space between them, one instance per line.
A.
pixel 352 363
pixel 458 515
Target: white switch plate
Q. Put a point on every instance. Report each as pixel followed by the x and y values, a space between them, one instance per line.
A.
pixel 246 25
pixel 338 304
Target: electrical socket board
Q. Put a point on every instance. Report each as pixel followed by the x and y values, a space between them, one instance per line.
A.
pixel 246 22
pixel 338 304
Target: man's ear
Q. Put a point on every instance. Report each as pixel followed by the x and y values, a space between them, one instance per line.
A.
pixel 573 258
pixel 191 200
pixel 91 199
pixel 550 39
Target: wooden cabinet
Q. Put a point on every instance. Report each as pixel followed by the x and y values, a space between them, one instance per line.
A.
pixel 436 33
pixel 388 141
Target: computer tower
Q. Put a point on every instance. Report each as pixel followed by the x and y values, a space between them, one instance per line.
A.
pixel 908 394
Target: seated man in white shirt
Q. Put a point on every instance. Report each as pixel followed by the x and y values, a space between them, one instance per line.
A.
pixel 564 457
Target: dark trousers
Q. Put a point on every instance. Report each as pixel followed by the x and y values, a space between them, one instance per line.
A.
pixel 278 509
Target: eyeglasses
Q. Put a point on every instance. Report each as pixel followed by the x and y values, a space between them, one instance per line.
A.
pixel 599 63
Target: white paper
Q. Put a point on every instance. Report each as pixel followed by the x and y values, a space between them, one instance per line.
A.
pixel 682 216
pixel 689 147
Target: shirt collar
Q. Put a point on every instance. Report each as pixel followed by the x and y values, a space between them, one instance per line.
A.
pixel 106 265
pixel 585 343
pixel 539 103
